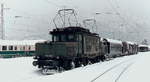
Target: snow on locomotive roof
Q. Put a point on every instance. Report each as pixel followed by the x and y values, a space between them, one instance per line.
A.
pixel 19 42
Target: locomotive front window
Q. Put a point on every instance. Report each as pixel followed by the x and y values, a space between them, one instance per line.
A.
pixel 71 37
pixel 59 38
pixel 65 38
pixel 79 38
pixel 56 38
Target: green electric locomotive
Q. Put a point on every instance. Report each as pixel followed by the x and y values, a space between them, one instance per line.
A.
pixel 70 47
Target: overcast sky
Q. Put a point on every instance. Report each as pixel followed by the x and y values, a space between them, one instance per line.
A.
pixel 119 19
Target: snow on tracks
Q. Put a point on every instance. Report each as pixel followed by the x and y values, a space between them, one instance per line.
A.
pixel 21 70
pixel 85 74
pixel 114 67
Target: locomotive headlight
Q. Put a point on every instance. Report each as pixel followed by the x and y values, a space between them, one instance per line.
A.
pixel 57 57
pixel 48 56
pixel 36 57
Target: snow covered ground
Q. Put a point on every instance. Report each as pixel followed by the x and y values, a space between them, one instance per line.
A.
pixel 133 68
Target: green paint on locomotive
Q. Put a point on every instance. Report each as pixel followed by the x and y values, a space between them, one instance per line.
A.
pixel 57 48
pixel 70 42
pixel 50 48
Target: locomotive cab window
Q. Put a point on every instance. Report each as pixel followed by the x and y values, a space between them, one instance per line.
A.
pixel 59 38
pixel 71 37
pixel 79 37
pixel 65 38
pixel 55 38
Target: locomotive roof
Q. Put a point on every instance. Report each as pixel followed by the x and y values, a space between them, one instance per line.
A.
pixel 19 42
pixel 72 29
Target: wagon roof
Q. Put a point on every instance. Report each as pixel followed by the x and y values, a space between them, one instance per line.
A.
pixel 141 45
pixel 129 42
pixel 114 41
pixel 19 42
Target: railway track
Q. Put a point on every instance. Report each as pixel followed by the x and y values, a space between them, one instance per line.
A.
pixel 117 79
pixel 128 62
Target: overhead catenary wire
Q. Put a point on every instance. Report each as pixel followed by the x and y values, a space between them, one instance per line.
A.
pixel 50 2
pixel 30 16
pixel 132 23
pixel 27 15
pixel 117 13
pixel 33 16
pixel 125 22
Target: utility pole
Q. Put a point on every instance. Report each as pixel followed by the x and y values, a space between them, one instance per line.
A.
pixel 2 22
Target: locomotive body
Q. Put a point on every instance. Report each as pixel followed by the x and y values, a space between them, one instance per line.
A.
pixel 70 47
pixel 76 46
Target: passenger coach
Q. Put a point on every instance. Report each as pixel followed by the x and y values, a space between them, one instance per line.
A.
pixel 13 48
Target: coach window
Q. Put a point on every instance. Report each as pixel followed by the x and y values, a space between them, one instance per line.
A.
pixel 15 47
pixel 4 47
pixel 29 48
pixel 10 47
pixel 23 47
